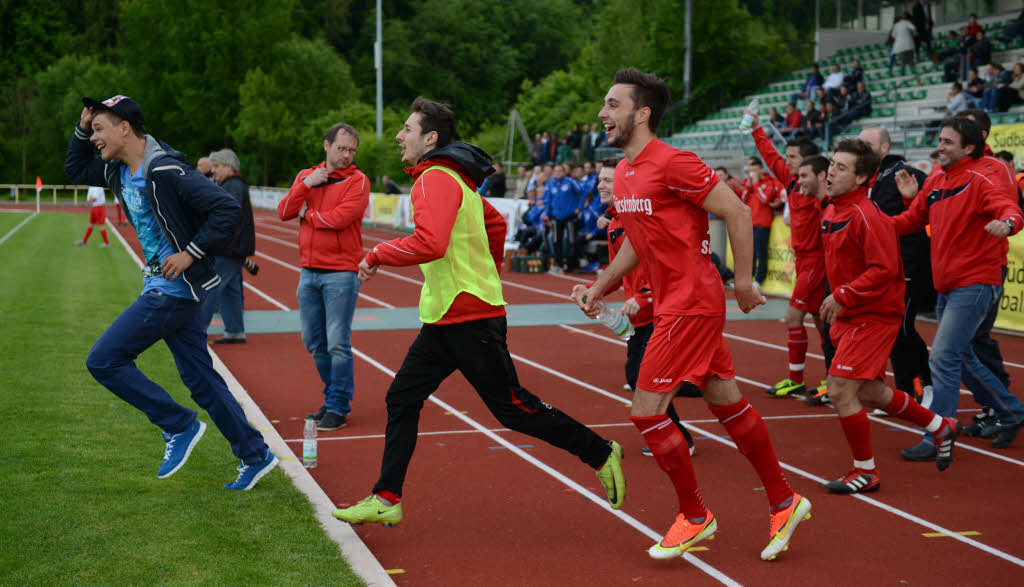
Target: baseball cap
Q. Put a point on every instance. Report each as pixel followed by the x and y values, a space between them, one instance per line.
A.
pixel 123 106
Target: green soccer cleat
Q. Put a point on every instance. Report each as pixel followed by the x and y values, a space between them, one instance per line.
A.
pixel 785 387
pixel 371 509
pixel 819 397
pixel 610 475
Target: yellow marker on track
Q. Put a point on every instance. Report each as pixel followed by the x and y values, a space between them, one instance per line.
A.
pixel 944 535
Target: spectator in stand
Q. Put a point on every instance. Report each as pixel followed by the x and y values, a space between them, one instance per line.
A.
pixel 329 200
pixel 587 148
pixel 1014 28
pixel 765 195
pixel 534 180
pixel 843 101
pixel 775 117
pixel 981 51
pixel 855 76
pixel 923 23
pixel 957 100
pixel 531 228
pixel 575 142
pixel 834 81
pixel 1012 93
pixel 969 251
pixel 564 155
pixel 553 146
pixel 950 50
pixel 597 140
pixel 588 181
pixel 810 122
pixel 958 60
pixel 562 207
pixel 536 150
pixel 494 184
pixel 830 121
pixel 972 25
pixel 820 96
pixel 975 88
pixel 590 230
pixel 732 181
pixel 998 78
pixel 814 80
pixel 793 119
pixel 390 187
pixel 860 101
pixel 903 33
pixel 545 148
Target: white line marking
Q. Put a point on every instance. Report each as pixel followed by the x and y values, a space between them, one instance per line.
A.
pixel 299 270
pixel 265 296
pixel 600 501
pixel 15 229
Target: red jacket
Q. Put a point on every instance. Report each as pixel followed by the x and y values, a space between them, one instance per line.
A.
pixel 759 196
pixel 862 259
pixel 633 283
pixel 434 218
pixel 330 234
pixel 958 201
pixel 804 211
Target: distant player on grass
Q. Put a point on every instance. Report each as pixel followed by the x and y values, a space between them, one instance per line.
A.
pixel 181 218
pixel 663 197
pixel 805 235
pixel 865 309
pixel 458 242
pixel 97 198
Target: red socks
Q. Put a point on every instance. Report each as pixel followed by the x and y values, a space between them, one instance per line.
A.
pixel 797 343
pixel 103 233
pixel 672 454
pixel 904 407
pixel 748 431
pixel 857 429
pixel 88 232
pixel 388 497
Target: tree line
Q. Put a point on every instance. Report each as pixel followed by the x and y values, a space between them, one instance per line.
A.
pixel 267 77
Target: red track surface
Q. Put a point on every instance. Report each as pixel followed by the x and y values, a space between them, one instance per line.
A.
pixel 476 512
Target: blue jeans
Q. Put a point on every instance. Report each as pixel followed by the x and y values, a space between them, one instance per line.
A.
pixel 327 302
pixel 227 296
pixel 961 312
pixel 152 317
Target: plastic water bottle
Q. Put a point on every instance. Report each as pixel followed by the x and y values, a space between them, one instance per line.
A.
pixel 309 443
pixel 747 119
pixel 616 322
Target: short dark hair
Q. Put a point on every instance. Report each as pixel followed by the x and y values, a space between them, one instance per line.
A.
pixel 867 159
pixel 755 161
pixel 806 145
pixel 817 163
pixel 138 128
pixel 1005 156
pixel 969 131
pixel 722 169
pixel 980 118
pixel 610 161
pixel 437 117
pixel 332 133
pixel 649 91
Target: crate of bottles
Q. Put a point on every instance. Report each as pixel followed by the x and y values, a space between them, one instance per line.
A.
pixel 528 263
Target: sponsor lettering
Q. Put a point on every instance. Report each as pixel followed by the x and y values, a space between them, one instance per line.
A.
pixel 844 367
pixel 634 205
pixel 661 380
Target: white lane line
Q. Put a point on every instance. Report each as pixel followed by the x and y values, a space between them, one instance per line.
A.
pixel 600 501
pixel 883 506
pixel 15 229
pixel 265 296
pixel 887 422
pixel 299 270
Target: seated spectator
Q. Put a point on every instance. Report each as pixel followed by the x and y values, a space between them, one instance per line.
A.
pixel 819 95
pixel 997 78
pixel 951 49
pixel 860 102
pixel 974 88
pixel 834 81
pixel 589 231
pixel 855 76
pixel 956 67
pixel 832 121
pixel 811 123
pixel 793 118
pixel 903 33
pixel 843 100
pixel 814 80
pixel 531 229
pixel 1013 92
pixel 957 100
pixel 775 117
pixel 981 51
pixel 972 25
pixel 1014 29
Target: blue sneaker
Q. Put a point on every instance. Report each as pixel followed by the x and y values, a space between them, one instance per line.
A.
pixel 179 447
pixel 248 475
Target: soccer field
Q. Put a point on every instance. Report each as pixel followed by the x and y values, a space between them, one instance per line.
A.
pixel 82 503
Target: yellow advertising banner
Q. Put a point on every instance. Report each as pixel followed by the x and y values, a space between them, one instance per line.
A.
pixel 781 277
pixel 1008 137
pixel 384 208
pixel 1011 305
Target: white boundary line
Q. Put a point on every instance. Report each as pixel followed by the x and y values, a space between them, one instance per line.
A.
pixel 355 552
pixel 600 501
pixel 15 229
pixel 298 270
pixel 265 296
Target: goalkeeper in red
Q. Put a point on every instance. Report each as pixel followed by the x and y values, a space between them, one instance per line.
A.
pixel 663 197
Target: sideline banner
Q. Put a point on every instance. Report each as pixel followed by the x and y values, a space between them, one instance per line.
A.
pixel 1011 305
pixel 1008 137
pixel 781 277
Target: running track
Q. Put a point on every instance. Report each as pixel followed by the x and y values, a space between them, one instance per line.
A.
pixel 484 505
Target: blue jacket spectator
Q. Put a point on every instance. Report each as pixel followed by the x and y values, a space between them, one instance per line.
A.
pixel 814 80
pixel 563 196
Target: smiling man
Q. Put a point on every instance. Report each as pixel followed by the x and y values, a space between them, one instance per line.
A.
pixel 180 216
pixel 663 197
pixel 862 259
pixel 458 242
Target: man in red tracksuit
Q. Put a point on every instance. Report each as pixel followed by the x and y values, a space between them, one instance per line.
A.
pixel 865 309
pixel 329 200
pixel 972 208
pixel 458 242
pixel 805 238
pixel 764 195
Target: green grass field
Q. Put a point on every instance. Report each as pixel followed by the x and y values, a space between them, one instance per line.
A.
pixel 81 501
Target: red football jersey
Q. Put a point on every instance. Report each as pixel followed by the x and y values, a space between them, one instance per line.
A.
pixel 658 197
pixel 759 196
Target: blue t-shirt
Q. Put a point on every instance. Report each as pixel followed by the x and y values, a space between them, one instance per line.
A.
pixel 155 247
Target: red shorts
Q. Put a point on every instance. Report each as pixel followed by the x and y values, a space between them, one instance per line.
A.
pixel 862 348
pixel 809 291
pixel 98 215
pixel 685 348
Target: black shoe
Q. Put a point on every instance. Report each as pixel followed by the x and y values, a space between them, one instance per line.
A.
pixel 251 267
pixel 331 421
pixel 320 413
pixel 981 421
pixel 226 340
pixel 923 452
pixel 993 429
pixel 1006 435
pixel 944 445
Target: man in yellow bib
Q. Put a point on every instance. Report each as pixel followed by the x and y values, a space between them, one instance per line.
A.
pixel 459 243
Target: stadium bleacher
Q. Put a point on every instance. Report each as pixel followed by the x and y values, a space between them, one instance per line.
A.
pixel 903 104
